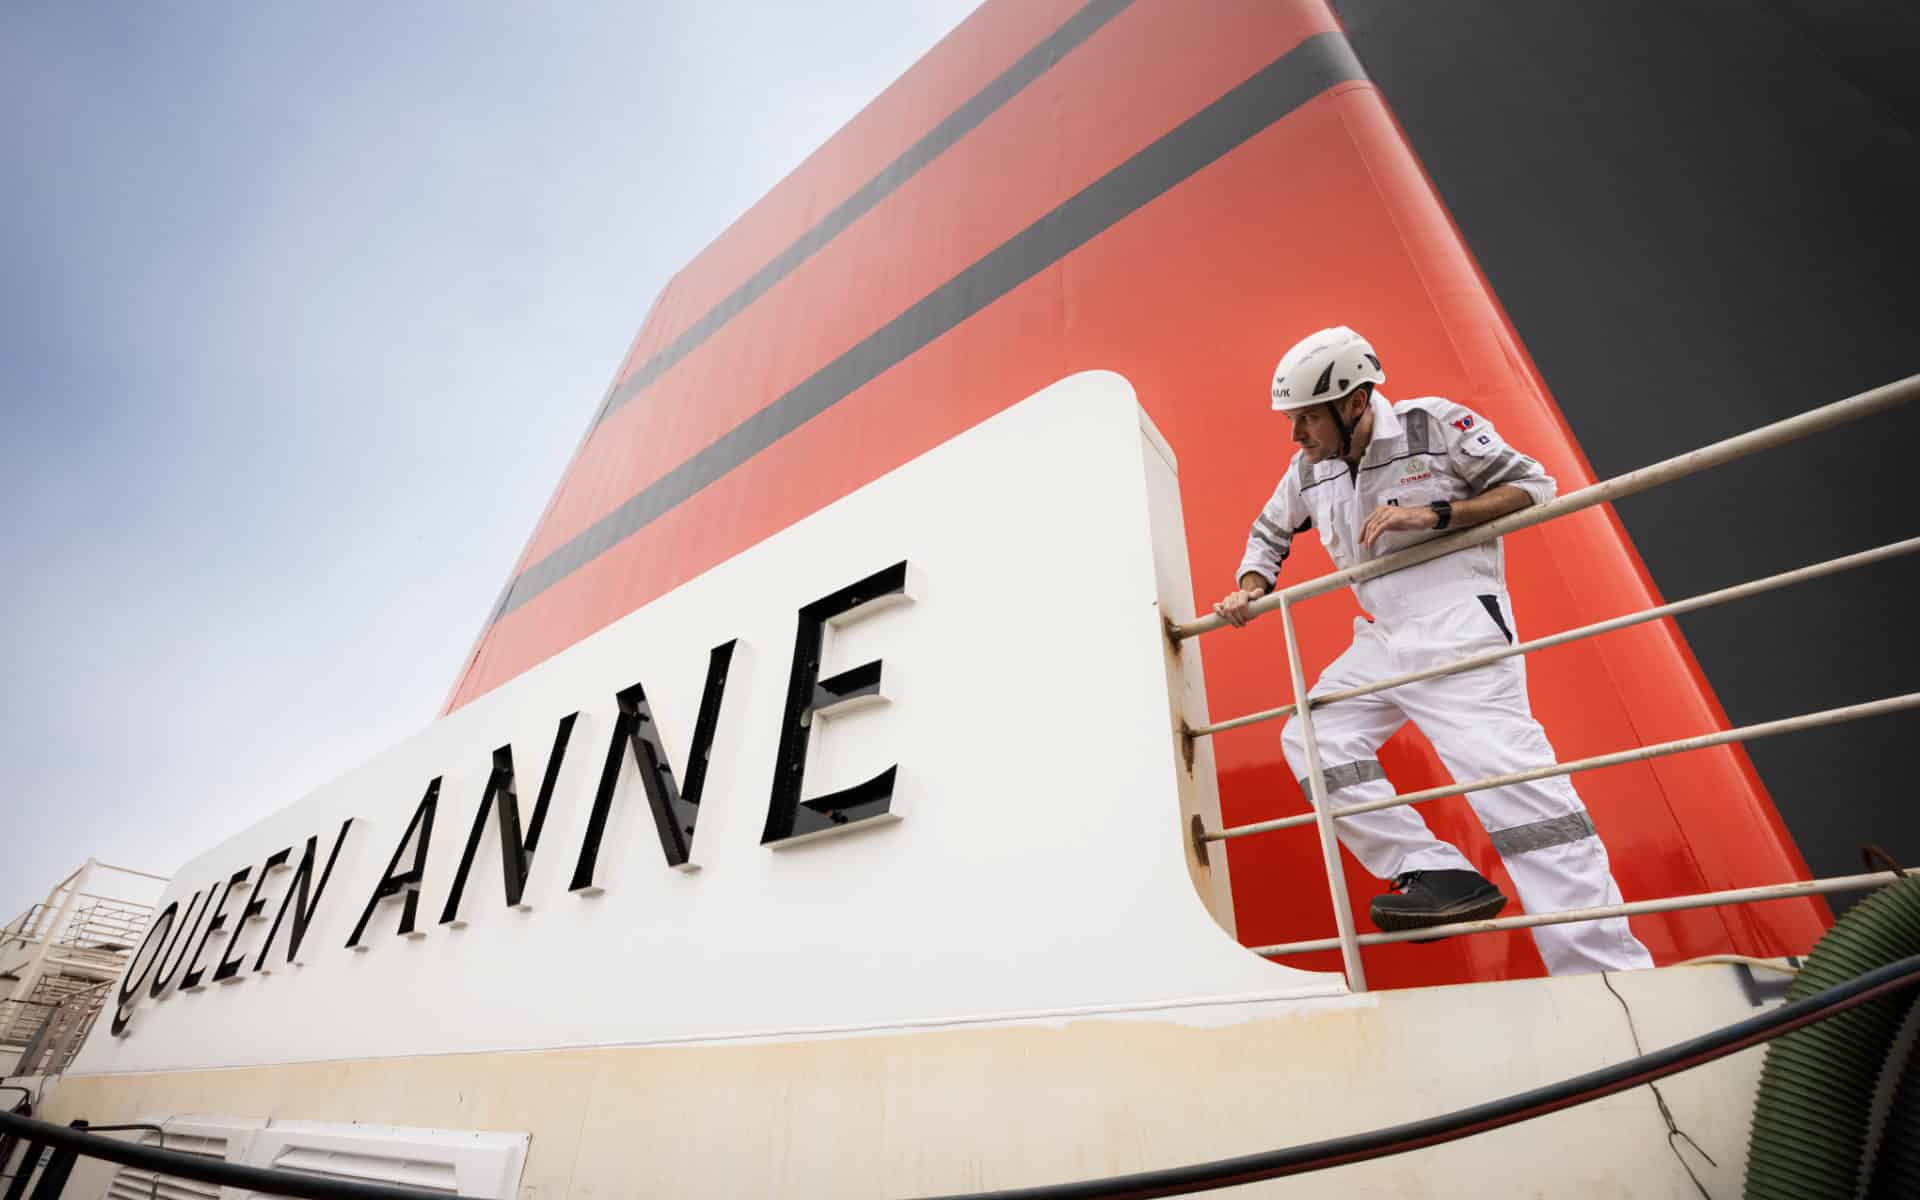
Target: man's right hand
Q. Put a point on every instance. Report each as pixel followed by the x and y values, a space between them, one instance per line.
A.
pixel 1233 607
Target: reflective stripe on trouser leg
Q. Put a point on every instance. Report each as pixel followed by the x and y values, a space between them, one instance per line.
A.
pixel 1386 842
pixel 1559 863
pixel 1344 775
pixel 1350 733
pixel 1481 725
pixel 1575 874
pixel 1554 831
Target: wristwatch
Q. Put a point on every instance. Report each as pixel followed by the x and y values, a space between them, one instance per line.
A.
pixel 1444 510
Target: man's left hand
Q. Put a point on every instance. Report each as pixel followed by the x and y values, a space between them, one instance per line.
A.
pixel 1388 518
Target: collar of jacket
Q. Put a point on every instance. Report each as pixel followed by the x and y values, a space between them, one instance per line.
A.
pixel 1386 428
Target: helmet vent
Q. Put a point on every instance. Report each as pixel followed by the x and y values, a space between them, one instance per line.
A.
pixel 1325 382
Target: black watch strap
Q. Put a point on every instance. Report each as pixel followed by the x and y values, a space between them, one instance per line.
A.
pixel 1444 510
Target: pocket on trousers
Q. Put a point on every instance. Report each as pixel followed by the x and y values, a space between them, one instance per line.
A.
pixel 1492 605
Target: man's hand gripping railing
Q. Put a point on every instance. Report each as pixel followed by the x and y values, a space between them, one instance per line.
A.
pixel 1880 399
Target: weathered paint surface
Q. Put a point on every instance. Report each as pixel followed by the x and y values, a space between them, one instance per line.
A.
pixel 952 1110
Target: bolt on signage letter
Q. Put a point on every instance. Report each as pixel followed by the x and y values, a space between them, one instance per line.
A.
pixel 809 698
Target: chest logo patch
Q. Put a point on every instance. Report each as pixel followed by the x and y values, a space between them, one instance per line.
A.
pixel 1415 470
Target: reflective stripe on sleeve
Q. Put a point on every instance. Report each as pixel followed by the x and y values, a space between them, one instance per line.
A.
pixel 1272 535
pixel 1508 466
pixel 1419 427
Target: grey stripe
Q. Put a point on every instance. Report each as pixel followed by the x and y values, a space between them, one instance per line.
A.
pixel 1270 533
pixel 1347 775
pixel 943 137
pixel 1505 466
pixel 1316 64
pixel 1554 831
pixel 1307 472
pixel 1419 428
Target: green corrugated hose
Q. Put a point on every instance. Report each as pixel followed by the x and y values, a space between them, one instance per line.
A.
pixel 1816 1089
pixel 1897 1173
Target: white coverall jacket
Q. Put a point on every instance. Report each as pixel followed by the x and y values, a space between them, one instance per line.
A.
pixel 1479 721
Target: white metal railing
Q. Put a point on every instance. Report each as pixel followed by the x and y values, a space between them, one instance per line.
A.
pixel 1775 891
pixel 1693 462
pixel 26 926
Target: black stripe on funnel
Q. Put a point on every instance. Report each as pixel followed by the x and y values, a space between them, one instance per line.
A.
pixel 1310 68
pixel 1011 82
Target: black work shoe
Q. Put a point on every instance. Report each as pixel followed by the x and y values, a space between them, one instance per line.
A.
pixel 1419 899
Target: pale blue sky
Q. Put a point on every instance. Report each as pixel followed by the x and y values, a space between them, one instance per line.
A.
pixel 302 309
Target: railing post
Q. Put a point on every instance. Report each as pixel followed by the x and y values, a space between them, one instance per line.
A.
pixel 1317 792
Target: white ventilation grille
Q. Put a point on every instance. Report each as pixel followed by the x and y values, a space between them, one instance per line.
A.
pixel 452 1162
pixel 438 1160
pixel 370 1168
pixel 208 1138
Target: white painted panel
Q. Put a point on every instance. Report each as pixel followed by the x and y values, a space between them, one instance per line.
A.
pixel 1037 866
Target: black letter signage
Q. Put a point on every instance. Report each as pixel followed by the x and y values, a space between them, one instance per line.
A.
pixel 178 942
pixel 229 969
pixel 674 811
pixel 136 978
pixel 809 696
pixel 516 849
pixel 302 907
pixel 182 941
pixel 394 881
pixel 217 923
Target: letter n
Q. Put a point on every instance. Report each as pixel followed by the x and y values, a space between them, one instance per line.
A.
pixel 516 848
pixel 302 899
pixel 675 810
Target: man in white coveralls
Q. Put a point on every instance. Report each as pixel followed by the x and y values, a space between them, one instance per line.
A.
pixel 1375 477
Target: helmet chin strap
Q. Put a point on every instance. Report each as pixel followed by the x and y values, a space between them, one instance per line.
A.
pixel 1345 427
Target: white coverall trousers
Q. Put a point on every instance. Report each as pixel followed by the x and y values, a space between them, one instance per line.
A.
pixel 1480 723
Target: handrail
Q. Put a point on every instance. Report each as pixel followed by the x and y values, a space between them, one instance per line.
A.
pixel 1741 591
pixel 131 871
pixel 1865 404
pixel 1702 741
pixel 1322 816
pixel 1799 888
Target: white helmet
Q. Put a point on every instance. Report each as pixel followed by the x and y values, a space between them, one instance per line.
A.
pixel 1323 367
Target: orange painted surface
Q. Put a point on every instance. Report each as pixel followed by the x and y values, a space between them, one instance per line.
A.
pixel 982 47
pixel 1324 217
pixel 988 188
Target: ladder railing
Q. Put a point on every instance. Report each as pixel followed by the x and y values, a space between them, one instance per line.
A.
pixel 1779 433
